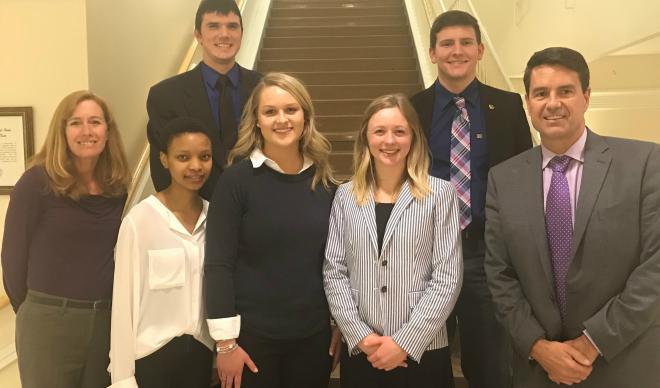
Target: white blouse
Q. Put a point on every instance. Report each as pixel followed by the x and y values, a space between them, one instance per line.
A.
pixel 159 268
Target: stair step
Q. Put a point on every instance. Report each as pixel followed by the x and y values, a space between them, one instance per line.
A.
pixel 397 10
pixel 337 52
pixel 342 162
pixel 368 64
pixel 338 21
pixel 342 145
pixel 355 77
pixel 337 41
pixel 344 123
pixel 339 107
pixel 360 91
pixel 333 3
pixel 297 31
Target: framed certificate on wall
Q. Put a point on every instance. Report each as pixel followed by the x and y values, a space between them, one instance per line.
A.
pixel 16 145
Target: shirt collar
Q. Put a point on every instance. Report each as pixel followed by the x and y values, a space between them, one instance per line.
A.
pixel 173 223
pixel 210 76
pixel 576 151
pixel 444 97
pixel 258 158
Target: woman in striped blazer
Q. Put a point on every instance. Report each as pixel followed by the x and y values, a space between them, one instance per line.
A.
pixel 393 260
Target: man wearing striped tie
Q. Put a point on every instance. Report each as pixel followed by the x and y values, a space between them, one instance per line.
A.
pixel 471 127
pixel 573 242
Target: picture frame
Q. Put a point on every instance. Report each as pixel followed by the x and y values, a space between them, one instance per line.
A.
pixel 16 144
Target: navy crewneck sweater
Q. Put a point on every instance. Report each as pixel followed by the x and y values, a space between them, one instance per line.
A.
pixel 265 241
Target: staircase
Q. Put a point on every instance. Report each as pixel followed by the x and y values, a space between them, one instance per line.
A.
pixel 347 52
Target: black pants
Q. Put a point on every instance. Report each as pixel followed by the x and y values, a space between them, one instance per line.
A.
pixel 433 371
pixel 183 362
pixel 301 363
pixel 485 348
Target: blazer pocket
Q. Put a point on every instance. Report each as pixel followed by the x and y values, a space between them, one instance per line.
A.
pixel 356 296
pixel 167 268
pixel 414 297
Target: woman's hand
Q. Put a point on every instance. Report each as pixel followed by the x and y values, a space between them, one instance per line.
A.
pixel 368 344
pixel 335 347
pixel 388 354
pixel 230 367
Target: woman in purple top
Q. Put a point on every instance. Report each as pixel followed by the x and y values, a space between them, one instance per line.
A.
pixel 57 253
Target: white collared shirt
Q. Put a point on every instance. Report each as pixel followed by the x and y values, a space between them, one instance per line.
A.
pixel 230 328
pixel 258 158
pixel 159 267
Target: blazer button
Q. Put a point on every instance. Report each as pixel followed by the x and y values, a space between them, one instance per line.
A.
pixel 383 289
pixel 383 263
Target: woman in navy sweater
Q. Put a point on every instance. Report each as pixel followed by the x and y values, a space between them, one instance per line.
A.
pixel 266 232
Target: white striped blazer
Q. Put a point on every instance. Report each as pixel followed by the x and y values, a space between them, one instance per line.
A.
pixel 406 293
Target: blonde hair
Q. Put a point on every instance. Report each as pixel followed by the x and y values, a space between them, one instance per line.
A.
pixel 417 161
pixel 312 143
pixel 111 171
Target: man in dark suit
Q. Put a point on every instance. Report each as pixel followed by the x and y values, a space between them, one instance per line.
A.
pixel 470 128
pixel 573 242
pixel 214 91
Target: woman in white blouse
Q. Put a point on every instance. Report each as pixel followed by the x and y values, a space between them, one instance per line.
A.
pixel 393 260
pixel 159 336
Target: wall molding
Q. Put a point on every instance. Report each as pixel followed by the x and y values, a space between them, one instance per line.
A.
pixel 7 356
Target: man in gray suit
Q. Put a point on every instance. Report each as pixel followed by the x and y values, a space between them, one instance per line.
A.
pixel 573 242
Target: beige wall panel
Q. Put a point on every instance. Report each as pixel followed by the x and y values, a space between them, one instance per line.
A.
pixel 518 28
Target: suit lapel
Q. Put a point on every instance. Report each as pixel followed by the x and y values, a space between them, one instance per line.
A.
pixel 196 99
pixel 197 104
pixel 402 202
pixel 492 120
pixel 368 213
pixel 533 192
pixel 596 164
pixel 425 109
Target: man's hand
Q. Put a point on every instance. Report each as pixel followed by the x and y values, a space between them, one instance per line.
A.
pixel 388 354
pixel 230 367
pixel 563 363
pixel 335 346
pixel 584 346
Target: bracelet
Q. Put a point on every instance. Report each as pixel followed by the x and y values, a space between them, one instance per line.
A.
pixel 226 349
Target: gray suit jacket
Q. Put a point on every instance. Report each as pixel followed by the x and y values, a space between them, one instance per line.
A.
pixel 613 284
pixel 422 271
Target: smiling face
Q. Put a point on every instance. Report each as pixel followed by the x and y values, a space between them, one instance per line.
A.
pixel 389 138
pixel 86 131
pixel 456 53
pixel 280 118
pixel 220 37
pixel 556 104
pixel 188 160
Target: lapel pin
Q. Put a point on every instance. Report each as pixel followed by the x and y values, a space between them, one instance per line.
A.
pixel 480 135
pixel 491 106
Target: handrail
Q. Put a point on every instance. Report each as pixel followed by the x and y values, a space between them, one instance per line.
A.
pixel 4 301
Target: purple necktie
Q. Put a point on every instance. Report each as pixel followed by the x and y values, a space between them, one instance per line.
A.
pixel 459 161
pixel 559 226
